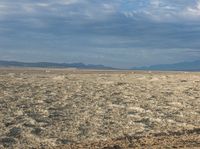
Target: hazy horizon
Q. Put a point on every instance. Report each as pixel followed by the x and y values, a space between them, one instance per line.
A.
pixel 115 33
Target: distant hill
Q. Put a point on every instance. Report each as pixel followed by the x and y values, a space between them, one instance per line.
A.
pixel 51 65
pixel 183 66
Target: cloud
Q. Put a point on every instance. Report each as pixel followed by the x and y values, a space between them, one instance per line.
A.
pixel 194 11
pixel 115 32
pixel 166 10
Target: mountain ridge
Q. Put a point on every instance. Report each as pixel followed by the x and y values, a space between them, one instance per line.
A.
pixel 181 66
pixel 52 65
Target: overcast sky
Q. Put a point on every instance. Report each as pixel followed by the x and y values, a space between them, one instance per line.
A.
pixel 118 33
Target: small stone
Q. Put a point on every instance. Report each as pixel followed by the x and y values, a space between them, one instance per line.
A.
pixel 19 113
pixel 64 141
pixel 29 123
pixel 113 147
pixel 36 131
pixel 7 124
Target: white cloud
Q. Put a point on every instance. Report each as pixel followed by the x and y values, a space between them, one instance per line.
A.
pixel 166 10
pixel 194 11
pixel 155 3
pixel 43 4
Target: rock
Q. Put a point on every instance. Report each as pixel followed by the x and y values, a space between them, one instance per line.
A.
pixel 7 142
pixel 15 132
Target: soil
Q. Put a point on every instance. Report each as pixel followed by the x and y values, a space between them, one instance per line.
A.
pixel 70 108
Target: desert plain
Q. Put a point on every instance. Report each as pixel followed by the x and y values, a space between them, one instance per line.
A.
pixel 70 108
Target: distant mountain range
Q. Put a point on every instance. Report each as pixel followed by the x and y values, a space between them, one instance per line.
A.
pixel 183 66
pixel 52 65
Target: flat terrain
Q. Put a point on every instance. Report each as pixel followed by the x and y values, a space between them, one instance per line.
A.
pixel 98 109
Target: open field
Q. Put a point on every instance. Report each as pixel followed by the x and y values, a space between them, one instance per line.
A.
pixel 98 109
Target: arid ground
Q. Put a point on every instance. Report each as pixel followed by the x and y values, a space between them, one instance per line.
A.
pixel 54 108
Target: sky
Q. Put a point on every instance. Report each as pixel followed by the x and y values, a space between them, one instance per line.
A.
pixel 117 33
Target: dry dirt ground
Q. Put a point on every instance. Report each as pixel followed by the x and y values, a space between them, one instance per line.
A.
pixel 98 109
